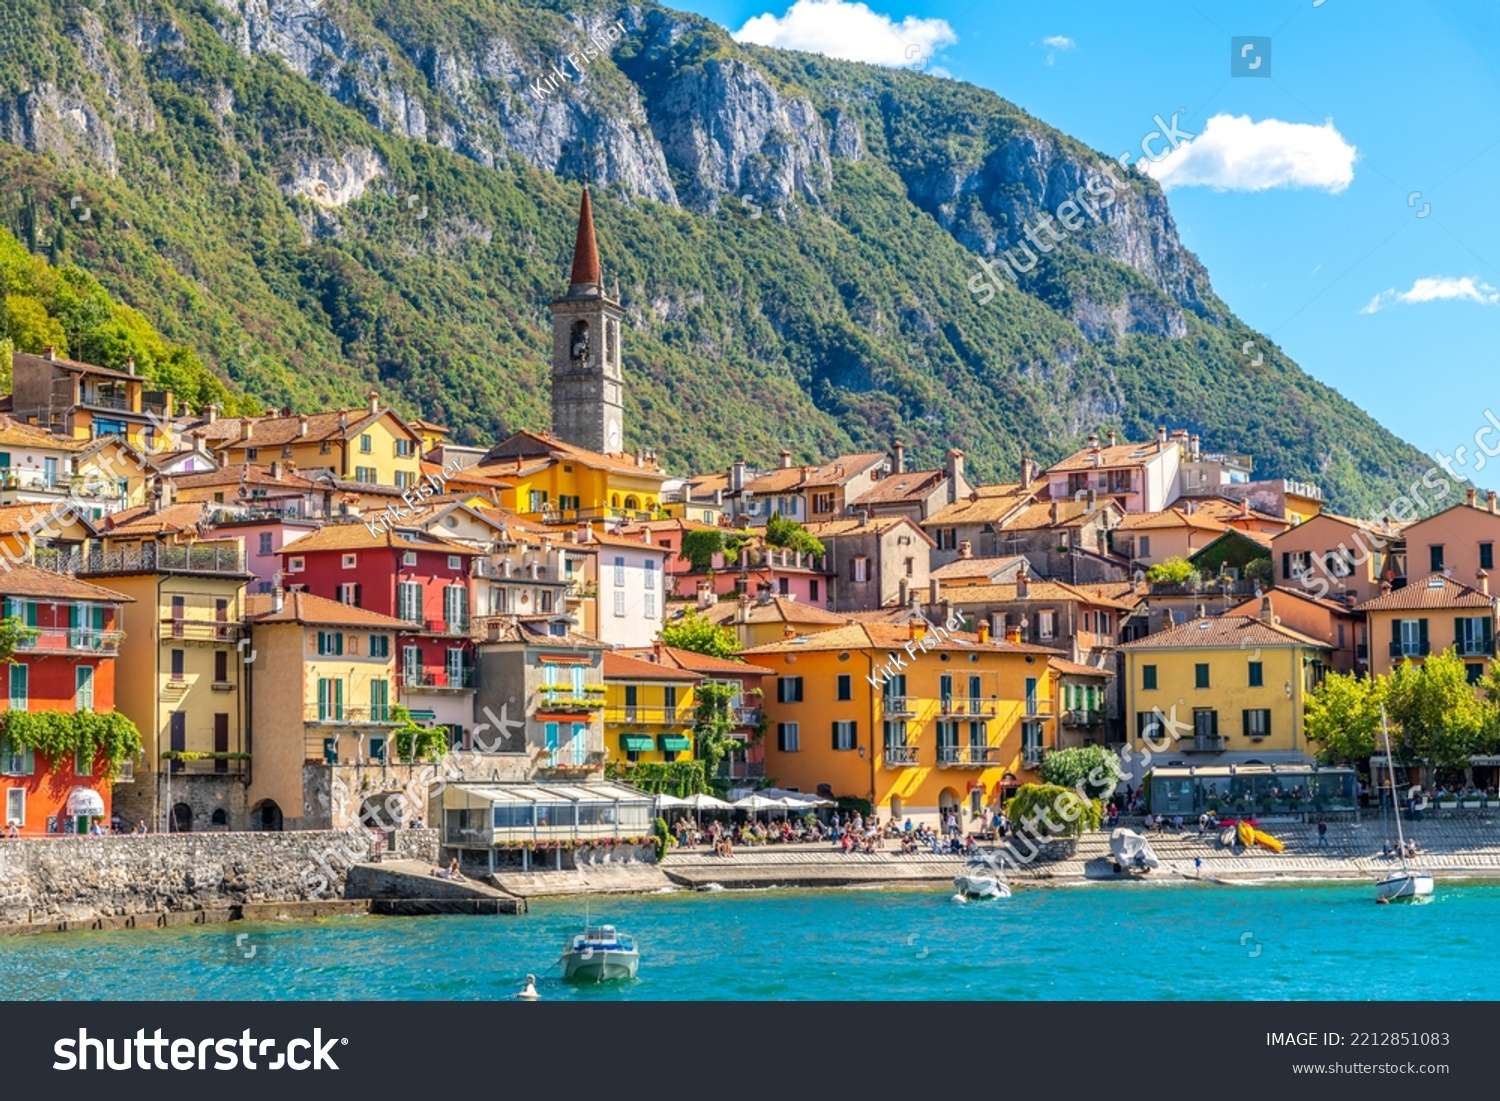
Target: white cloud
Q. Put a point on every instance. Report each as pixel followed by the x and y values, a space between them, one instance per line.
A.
pixel 1235 154
pixel 1436 289
pixel 850 31
pixel 1056 42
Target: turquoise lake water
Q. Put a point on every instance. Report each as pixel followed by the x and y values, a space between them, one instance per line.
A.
pixel 1149 941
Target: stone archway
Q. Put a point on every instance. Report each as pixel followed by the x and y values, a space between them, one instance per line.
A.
pixel 182 819
pixel 266 816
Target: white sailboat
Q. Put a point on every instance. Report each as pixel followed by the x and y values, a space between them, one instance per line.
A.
pixel 1405 885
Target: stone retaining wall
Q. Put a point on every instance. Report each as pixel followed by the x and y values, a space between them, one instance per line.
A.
pixel 70 878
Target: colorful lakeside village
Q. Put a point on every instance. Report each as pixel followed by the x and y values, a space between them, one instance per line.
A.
pixel 298 612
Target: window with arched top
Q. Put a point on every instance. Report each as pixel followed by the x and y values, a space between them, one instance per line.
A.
pixel 632 502
pixel 578 341
pixel 611 341
pixel 614 501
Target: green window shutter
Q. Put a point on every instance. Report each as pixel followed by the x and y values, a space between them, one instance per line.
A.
pixel 1245 727
pixel 338 642
pixel 1422 635
pixel 29 768
pixel 1213 723
pixel 31 609
pixel 338 699
pixel 322 698
pixel 1458 632
pixel 98 616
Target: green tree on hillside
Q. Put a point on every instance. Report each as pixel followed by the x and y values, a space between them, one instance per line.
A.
pixel 694 632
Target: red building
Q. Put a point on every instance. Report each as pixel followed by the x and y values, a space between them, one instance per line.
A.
pixel 413 576
pixel 68 666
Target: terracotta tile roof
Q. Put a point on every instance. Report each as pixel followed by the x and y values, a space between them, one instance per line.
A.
pixel 601 539
pixel 17 518
pixel 317 611
pixel 1070 513
pixel 243 474
pixel 703 664
pixel 73 365
pixel 620 667
pixel 672 525
pixel 1374 527
pixel 704 485
pixel 356 536
pixel 1259 538
pixel 275 430
pixel 1126 592
pixel 1118 457
pixel 1038 592
pixel 1227 510
pixel 832 529
pixel 913 485
pixel 15 434
pixel 1224 632
pixel 1074 669
pixel 426 426
pixel 1168 518
pixel 975 567
pixel 546 447
pixel 23 579
pixel 992 505
pixel 532 630
pixel 1433 593
pixel 834 472
pixel 885 637
pixel 777 610
pixel 1251 606
pixel 171 520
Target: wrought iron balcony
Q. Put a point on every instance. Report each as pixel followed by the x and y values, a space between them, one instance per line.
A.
pixel 160 558
pixel 650 716
pixel 968 707
pixel 1085 717
pixel 73 640
pixel 333 715
pixel 900 756
pixel 968 756
pixel 900 705
pixel 445 680
pixel 731 768
pixel 1203 743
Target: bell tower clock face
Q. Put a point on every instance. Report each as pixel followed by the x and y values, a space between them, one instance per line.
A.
pixel 614 436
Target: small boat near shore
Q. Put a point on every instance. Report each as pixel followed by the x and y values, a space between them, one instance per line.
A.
pixel 1406 885
pixel 1131 851
pixel 600 954
pixel 984 879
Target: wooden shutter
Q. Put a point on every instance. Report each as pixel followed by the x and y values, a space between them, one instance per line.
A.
pixel 1422 635
pixel 1213 723
pixel 1245 716
pixel 1458 633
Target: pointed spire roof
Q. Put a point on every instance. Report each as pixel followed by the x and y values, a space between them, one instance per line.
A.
pixel 586 250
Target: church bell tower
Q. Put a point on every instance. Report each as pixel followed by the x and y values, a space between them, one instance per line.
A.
pixel 587 385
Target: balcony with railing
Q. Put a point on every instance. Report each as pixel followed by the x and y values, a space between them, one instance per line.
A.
pixel 450 627
pixel 1031 756
pixel 190 763
pixel 746 716
pixel 101 398
pixel 72 641
pixel 650 716
pixel 1038 708
pixel 552 515
pixel 1083 717
pixel 220 557
pixel 344 715
pixel 201 630
pixel 568 699
pixel 442 680
pixel 735 768
pixel 972 707
pixel 1410 649
pixel 900 705
pixel 1203 743
pixel 900 756
pixel 968 756
pixel 1474 647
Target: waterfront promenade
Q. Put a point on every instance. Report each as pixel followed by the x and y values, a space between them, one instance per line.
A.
pixel 1452 847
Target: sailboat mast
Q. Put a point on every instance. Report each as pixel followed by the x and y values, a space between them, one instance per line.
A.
pixel 1390 764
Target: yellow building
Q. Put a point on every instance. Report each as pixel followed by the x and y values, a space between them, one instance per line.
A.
pixel 1230 687
pixel 648 710
pixel 961 723
pixel 321 691
pixel 370 446
pixel 765 619
pixel 180 673
pixel 559 483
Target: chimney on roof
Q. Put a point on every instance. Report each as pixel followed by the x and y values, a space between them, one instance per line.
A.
pixel 249 423
pixel 984 632
pixel 1245 506
pixel 1110 436
pixel 343 422
pixel 903 592
pixel 210 413
pixel 1093 441
pixel 1385 587
pixel 1056 513
pixel 1483 577
pixel 49 352
pixel 955 467
pixel 1091 501
pixel 1489 498
pixel 130 365
pixel 788 633
pixel 737 476
pixel 898 457
pixel 1193 448
pixel 277 598
pixel 1266 615
pixel 965 548
pixel 276 469
pixel 706 595
pixel 1471 495
pixel 1201 611
pixel 862 515
pixel 1013 634
pixel 1023 585
pixel 786 459
pixel 302 425
pixel 763 593
pixel 916 629
pixel 934 590
pixel 1028 471
pixel 585 532
pixel 1161 438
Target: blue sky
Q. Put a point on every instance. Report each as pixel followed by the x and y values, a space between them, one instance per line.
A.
pixel 1300 198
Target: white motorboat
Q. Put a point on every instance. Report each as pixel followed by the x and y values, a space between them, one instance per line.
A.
pixel 600 954
pixel 977 887
pixel 1132 852
pixel 1405 885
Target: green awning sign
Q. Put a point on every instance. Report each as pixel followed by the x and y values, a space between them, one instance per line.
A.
pixel 635 743
pixel 424 716
pixel 674 743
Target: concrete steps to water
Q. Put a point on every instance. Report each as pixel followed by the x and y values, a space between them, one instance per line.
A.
pixel 409 888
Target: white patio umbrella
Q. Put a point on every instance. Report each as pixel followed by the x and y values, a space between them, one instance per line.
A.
pixel 758 802
pixel 671 802
pixel 701 801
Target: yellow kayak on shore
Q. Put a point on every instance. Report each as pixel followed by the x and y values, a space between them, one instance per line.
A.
pixel 1249 835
